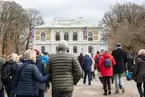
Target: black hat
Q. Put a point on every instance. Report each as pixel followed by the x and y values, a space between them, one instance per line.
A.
pixel 118 45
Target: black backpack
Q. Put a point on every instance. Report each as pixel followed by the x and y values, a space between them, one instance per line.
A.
pixel 7 72
pixel 98 59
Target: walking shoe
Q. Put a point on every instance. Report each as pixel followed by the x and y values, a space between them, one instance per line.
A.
pixel 105 94
pixel 123 90
pixel 109 93
pixel 117 92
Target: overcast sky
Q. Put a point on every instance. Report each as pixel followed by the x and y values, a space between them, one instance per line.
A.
pixel 92 11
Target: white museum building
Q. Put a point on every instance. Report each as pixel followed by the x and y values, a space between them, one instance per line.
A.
pixel 81 36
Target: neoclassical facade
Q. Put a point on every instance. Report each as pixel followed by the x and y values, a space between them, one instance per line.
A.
pixel 81 36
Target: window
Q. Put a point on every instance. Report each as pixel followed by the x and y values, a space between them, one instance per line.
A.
pixel 42 36
pixel 96 36
pixel 90 36
pixel 90 49
pixel 57 36
pixel 66 36
pixel 42 49
pixel 74 49
pixel 75 36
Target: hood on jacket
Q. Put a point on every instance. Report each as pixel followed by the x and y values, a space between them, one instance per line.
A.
pixel 10 62
pixel 45 59
pixel 142 56
pixel 106 55
pixel 28 61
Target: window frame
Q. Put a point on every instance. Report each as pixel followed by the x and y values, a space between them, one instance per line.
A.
pixel 43 36
pixel 42 49
pixel 75 49
pixel 75 38
pixel 90 36
pixel 66 36
pixel 57 38
pixel 90 51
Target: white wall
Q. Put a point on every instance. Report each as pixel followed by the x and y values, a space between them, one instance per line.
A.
pixel 82 45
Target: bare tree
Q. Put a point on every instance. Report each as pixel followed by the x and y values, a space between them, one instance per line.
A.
pixel 34 19
pixel 9 19
pixel 124 23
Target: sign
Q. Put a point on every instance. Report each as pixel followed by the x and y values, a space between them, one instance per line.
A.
pixel 85 33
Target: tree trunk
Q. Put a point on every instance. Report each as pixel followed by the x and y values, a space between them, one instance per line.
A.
pixel 28 41
pixel 17 49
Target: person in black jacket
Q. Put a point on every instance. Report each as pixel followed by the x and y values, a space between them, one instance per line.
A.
pixel 11 63
pixel 41 67
pixel 80 59
pixel 120 58
pixel 139 72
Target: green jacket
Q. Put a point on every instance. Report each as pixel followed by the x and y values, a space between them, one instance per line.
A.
pixel 65 71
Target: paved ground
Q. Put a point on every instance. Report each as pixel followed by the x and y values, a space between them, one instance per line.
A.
pixel 95 90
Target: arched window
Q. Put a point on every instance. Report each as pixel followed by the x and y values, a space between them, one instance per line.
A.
pixel 66 36
pixel 57 36
pixel 75 36
pixel 90 36
pixel 42 36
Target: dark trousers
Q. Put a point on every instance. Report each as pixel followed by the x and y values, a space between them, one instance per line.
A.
pixel 140 89
pixel 89 77
pixel 106 84
pixel 25 96
pixel 41 93
pixel 61 94
pixel 1 92
pixel 10 91
pixel 101 79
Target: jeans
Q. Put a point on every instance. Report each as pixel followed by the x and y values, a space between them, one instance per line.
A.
pixel 61 94
pixel 118 81
pixel 106 84
pixel 89 77
pixel 140 90
pixel 41 93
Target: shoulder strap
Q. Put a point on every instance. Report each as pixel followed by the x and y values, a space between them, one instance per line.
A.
pixel 19 73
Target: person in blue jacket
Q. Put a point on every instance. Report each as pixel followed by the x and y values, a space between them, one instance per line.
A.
pixel 27 75
pixel 87 64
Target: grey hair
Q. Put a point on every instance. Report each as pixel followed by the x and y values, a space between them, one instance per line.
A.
pixel 14 57
pixel 106 51
pixel 30 55
pixel 62 46
pixel 141 51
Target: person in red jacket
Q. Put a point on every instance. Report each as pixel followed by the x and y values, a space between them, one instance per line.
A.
pixel 97 58
pixel 106 64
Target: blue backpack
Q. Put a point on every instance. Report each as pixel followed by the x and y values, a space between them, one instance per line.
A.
pixel 107 63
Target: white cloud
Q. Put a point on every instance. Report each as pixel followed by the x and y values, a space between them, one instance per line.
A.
pixel 91 10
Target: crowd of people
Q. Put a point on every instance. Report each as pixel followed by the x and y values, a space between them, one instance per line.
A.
pixel 112 66
pixel 33 73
